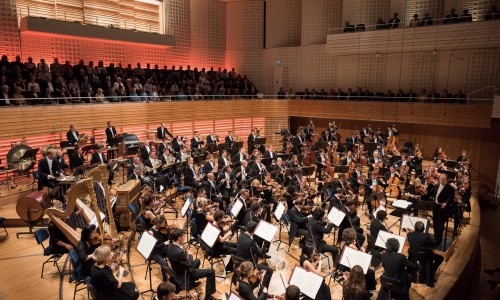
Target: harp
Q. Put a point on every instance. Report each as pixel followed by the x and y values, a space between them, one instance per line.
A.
pixel 57 216
pixel 99 174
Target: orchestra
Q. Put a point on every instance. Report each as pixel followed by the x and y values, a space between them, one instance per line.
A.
pixel 354 180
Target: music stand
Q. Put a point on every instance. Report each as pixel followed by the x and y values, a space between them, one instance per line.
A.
pixel 86 149
pixel 259 141
pixel 308 171
pixel 145 247
pixel 321 145
pixel 451 164
pixel 340 169
pixel 237 146
pixel 267 162
pixel 451 174
pixel 211 147
pixel 376 197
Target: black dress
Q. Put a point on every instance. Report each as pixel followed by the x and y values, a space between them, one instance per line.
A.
pixel 245 291
pixel 324 290
pixel 106 285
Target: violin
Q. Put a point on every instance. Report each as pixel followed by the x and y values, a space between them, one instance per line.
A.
pixel 183 295
pixel 97 239
pixel 255 278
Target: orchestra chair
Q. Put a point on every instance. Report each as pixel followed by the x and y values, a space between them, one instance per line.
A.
pixel 76 275
pixel 212 259
pixel 236 263
pixel 41 235
pixel 179 188
pixel 390 286
pixel 2 220
pixel 90 288
pixel 423 259
pixel 193 237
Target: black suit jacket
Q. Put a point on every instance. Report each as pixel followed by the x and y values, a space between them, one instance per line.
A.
pixel 375 227
pixel 161 134
pixel 397 266
pixel 195 144
pixel 318 229
pixel 446 195
pixel 245 246
pixel 109 134
pixel 43 168
pixel 229 142
pixel 420 239
pixel 181 264
pixel 299 221
pixel 211 140
pixel 71 137
pixel 221 162
pixel 144 152
pixel 97 160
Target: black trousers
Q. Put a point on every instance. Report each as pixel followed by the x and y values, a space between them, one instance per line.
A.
pixel 210 275
pixel 439 216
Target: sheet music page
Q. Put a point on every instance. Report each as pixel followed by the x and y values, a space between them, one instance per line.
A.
pixel 266 230
pixel 336 216
pixel 185 207
pixel 233 296
pixel 401 204
pixel 308 282
pixel 351 257
pixel 210 234
pixel 146 244
pixel 237 206
pixel 280 209
pixel 408 222
pixel 383 236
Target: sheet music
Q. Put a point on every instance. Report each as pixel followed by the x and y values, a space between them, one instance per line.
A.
pixel 351 257
pixel 186 205
pixel 403 204
pixel 237 206
pixel 336 216
pixel 94 219
pixel 383 236
pixel 266 230
pixel 146 244
pixel 280 209
pixel 210 234
pixel 308 282
pixel 233 296
pixel 408 222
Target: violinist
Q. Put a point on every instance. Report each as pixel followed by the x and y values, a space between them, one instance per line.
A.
pixel 166 291
pixel 299 219
pixel 90 240
pixel 186 269
pixel 371 185
pixel 318 225
pixel 223 244
pixel 310 260
pixel 248 249
pixel 321 163
pixel 439 154
pixel 355 285
pixel 247 280
pixel 351 220
pixel 336 200
pixel 414 193
pixel 159 251
pixel 149 212
pixel 297 178
pixel 108 286
pixel 201 217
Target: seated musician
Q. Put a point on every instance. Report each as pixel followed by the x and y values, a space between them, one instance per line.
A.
pixel 242 172
pixel 279 167
pixel 241 155
pixel 191 178
pixel 398 267
pixel 258 167
pixel 89 241
pixel 351 220
pixel 355 178
pixel 136 175
pixel 269 153
pixel 226 182
pixel 108 286
pixel 293 163
pixel 224 160
pixel 354 286
pixel 392 173
pixel 210 164
pixel 371 184
pixel 49 170
pixel 310 260
pixel 248 248
pixel 299 219
pixel 350 239
pixel 317 226
pixel 196 142
pixel 166 291
pixel 137 162
pixel 201 215
pixel 229 139
pixel 343 184
pixel 348 160
pixel 76 158
pixel 186 269
pixel 149 211
pixel 98 156
pixel 167 158
pixel 60 158
pixel 223 244
pixel 159 231
pixel 59 243
pixel 337 199
pixel 212 190
pixel 422 240
pixel 416 161
pixel 72 135
pixel 377 223
pixel 414 193
pixel 248 280
pixel 321 162
pixel 375 162
pixel 144 150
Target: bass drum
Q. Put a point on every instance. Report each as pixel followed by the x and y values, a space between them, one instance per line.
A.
pixel 36 203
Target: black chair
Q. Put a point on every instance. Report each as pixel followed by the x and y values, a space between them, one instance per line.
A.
pixel 193 236
pixel 2 220
pixel 391 286
pixel 90 288
pixel 76 274
pixel 171 276
pixel 207 255
pixel 41 235
pixel 423 258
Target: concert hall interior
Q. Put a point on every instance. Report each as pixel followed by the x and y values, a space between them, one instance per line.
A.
pixel 249 149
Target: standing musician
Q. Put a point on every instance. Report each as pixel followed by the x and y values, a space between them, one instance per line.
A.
pixel 144 150
pixel 247 281
pixel 229 140
pixel 371 185
pixel 196 142
pixel 422 240
pixel 212 139
pixel 398 267
pixel 248 249
pixel 318 225
pixel 191 178
pixel 110 134
pixel 186 270
pixel 442 196
pixel 72 135
pixel 223 160
pixel 298 142
pixel 162 132
pixel 251 141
